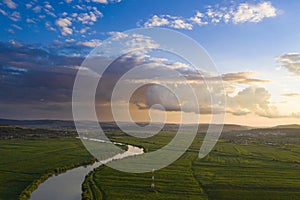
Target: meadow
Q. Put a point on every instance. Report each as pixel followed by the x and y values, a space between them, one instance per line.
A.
pixel 256 164
pixel 29 157
pixel 245 164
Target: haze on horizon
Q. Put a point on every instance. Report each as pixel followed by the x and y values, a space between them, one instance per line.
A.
pixel 255 45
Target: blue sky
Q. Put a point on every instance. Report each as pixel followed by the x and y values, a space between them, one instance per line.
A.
pixel 246 39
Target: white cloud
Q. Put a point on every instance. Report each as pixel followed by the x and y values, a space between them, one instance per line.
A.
pixel 181 24
pixel 198 19
pixel 254 13
pixel 90 17
pixel 84 30
pixel 49 26
pixel 252 100
pixel 105 1
pixel 10 4
pixel 37 9
pixel 138 44
pixel 168 20
pixel 11 31
pixel 157 21
pixel 118 35
pixel 70 40
pixel 48 6
pixel 64 24
pixel 17 27
pixel 15 16
pixel 290 61
pixel 3 12
pixel 241 13
pixel 91 43
pixel 28 5
pixel 100 1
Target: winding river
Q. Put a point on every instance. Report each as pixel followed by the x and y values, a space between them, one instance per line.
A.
pixel 67 186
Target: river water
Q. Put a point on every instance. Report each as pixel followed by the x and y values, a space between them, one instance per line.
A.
pixel 67 186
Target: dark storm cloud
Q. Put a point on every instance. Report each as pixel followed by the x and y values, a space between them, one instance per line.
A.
pixel 31 74
pixel 35 81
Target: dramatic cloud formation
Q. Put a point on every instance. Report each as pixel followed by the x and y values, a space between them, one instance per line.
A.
pixel 252 100
pixel 290 61
pixel 244 12
pixel 34 76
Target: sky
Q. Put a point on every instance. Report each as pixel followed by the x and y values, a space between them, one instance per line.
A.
pixel 255 46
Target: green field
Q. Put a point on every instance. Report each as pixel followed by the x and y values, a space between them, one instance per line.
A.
pixel 245 164
pixel 266 167
pixel 23 161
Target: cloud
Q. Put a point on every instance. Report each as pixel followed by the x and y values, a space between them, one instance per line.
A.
pixel 170 21
pixel 28 5
pixel 16 27
pixel 10 4
pixel 37 9
pixel 28 20
pixel 252 100
pixel 38 83
pixel 33 76
pixel 64 24
pixel 89 18
pixel 254 13
pixel 91 43
pixel 49 26
pixel 198 19
pixel 29 74
pixel 291 95
pixel 100 1
pixel 117 35
pixel 181 24
pixel 241 13
pixel 3 12
pixel 290 61
pixel 242 77
pixel 80 17
pixel 136 45
pixel 105 1
pixel 48 6
pixel 157 21
pixel 15 16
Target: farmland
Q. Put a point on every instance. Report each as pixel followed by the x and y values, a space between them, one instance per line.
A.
pixel 31 157
pixel 245 164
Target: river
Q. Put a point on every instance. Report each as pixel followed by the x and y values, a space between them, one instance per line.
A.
pixel 67 186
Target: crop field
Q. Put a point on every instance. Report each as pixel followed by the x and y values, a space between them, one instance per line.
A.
pixel 246 164
pixel 23 161
pixel 255 167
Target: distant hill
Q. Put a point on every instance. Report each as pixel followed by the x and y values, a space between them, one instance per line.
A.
pixel 46 124
pixel 65 124
pixel 294 126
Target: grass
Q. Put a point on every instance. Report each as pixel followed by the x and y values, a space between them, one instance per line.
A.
pixel 243 165
pixel 265 167
pixel 25 161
